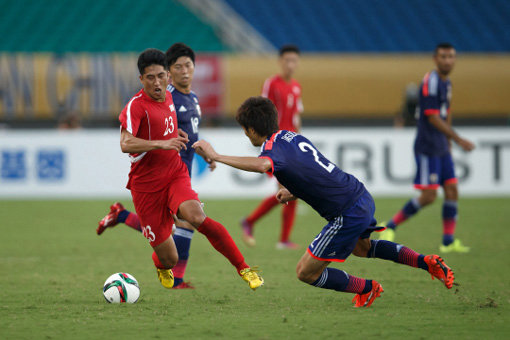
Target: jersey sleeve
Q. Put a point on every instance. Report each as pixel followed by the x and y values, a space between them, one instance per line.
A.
pixel 130 117
pixel 430 94
pixel 270 152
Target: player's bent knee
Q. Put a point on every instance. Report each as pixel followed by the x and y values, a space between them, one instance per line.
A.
pixel 306 275
pixel 362 247
pixel 183 224
pixel 197 220
pixel 168 261
pixel 359 252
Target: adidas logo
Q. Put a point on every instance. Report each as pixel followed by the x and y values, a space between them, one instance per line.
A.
pixel 182 109
pixel 332 254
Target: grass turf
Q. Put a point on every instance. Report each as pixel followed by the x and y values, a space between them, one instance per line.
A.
pixel 53 265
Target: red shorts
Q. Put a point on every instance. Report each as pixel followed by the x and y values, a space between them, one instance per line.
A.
pixel 155 209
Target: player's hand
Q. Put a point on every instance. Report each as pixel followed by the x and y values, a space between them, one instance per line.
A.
pixel 176 144
pixel 283 196
pixel 212 165
pixel 183 133
pixel 205 150
pixel 465 144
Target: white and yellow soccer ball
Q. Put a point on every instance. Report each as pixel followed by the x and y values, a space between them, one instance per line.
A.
pixel 121 287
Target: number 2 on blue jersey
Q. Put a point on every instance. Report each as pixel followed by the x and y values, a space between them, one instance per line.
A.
pixel 305 147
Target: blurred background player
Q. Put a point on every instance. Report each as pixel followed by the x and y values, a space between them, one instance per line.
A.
pixel 285 93
pixel 159 193
pixel 336 195
pixel 181 61
pixel 432 149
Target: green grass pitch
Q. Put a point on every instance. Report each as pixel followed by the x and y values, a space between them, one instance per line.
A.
pixel 53 265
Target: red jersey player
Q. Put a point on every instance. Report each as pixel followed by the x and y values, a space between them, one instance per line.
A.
pixel 285 93
pixel 159 180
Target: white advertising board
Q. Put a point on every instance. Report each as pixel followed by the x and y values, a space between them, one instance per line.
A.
pixel 89 163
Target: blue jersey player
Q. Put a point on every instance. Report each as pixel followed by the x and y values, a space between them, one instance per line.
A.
pixel 434 164
pixel 181 61
pixel 188 119
pixel 336 195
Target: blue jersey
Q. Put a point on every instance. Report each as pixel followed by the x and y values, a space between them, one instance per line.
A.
pixel 310 176
pixel 188 119
pixel 435 95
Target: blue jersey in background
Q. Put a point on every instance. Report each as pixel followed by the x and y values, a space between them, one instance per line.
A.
pixel 435 95
pixel 188 119
pixel 310 176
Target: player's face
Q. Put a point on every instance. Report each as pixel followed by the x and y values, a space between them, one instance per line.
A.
pixel 155 80
pixel 289 63
pixel 445 60
pixel 181 73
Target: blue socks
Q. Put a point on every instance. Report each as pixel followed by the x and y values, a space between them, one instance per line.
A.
pixel 335 279
pixel 410 208
pixel 398 253
pixel 182 238
pixel 449 221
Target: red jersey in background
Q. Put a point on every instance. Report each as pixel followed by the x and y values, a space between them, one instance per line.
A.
pixel 286 96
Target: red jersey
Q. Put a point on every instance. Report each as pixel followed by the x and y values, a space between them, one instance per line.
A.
pixel 148 119
pixel 286 96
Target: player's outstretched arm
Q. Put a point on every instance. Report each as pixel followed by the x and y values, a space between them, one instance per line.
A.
pixel 132 144
pixel 253 164
pixel 444 127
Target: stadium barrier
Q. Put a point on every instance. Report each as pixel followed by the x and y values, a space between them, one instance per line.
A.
pixel 347 85
pixel 89 163
pixel 44 86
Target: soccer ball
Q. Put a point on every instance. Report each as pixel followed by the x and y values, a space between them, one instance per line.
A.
pixel 121 287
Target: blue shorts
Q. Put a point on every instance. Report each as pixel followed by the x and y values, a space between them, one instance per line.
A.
pixel 433 171
pixel 338 238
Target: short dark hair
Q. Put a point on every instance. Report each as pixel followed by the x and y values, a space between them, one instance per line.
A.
pixel 178 50
pixel 445 45
pixel 151 56
pixel 260 114
pixel 288 48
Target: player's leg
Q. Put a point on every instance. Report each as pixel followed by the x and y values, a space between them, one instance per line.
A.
pixel 165 258
pixel 157 222
pixel 118 214
pixel 182 238
pixel 336 242
pixel 316 272
pixel 388 250
pixel 218 236
pixel 184 200
pixel 427 180
pixel 247 223
pixel 449 212
pixel 220 239
pixel 398 253
pixel 288 217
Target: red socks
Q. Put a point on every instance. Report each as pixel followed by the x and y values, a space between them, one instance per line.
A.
pixel 264 207
pixel 288 215
pixel 133 221
pixel 399 217
pixel 180 268
pixel 357 285
pixel 221 240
